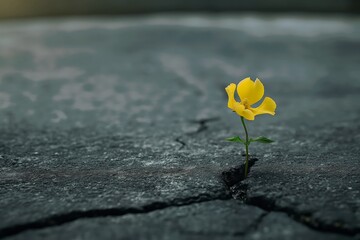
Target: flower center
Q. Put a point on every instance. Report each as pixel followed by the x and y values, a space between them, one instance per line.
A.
pixel 245 102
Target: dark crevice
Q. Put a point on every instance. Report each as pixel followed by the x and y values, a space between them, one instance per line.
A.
pixel 202 125
pixel 233 179
pixel 268 204
pixel 255 225
pixel 183 144
pixel 59 219
pixel 236 175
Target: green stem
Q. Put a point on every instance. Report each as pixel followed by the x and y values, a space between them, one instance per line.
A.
pixel 246 147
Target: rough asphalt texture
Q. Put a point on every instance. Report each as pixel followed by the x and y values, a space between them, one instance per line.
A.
pixel 114 128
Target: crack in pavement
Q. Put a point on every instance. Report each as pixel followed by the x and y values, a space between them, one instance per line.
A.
pixel 254 225
pixel 233 179
pixel 183 144
pixel 251 228
pixel 202 125
pixel 60 219
pixel 268 204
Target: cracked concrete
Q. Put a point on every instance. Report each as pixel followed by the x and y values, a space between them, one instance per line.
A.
pixel 234 179
pixel 126 139
pixel 214 219
pixel 63 218
pixel 203 125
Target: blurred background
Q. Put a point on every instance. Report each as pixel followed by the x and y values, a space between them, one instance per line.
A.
pixel 38 8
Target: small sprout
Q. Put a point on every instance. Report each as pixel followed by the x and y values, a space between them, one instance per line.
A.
pixel 250 92
pixel 236 139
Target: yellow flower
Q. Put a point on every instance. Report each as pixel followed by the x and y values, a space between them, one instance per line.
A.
pixel 249 92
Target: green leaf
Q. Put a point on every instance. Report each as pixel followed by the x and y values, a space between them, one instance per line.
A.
pixel 235 139
pixel 261 140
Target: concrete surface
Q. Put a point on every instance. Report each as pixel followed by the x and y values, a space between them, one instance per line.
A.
pixel 114 128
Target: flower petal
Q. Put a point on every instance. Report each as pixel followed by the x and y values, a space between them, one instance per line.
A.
pixel 250 90
pixel 230 90
pixel 268 106
pixel 241 111
pixel 249 115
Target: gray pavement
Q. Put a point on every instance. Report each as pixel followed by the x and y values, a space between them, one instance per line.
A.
pixel 114 128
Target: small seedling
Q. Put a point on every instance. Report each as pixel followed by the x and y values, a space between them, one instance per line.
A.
pixel 250 92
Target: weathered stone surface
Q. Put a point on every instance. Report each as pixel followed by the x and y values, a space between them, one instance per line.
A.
pixel 211 220
pixel 113 117
pixel 216 219
pixel 280 226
